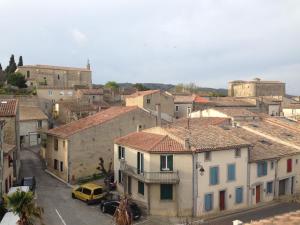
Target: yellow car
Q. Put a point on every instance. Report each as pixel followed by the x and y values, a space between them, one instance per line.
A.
pixel 89 193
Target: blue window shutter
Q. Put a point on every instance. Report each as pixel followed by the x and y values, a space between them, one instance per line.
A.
pixel 214 172
pixel 231 172
pixel 265 168
pixel 208 202
pixel 216 175
pixel 239 195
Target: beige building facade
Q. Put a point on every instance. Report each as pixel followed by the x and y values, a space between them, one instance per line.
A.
pixel 56 76
pixel 256 88
pixel 73 150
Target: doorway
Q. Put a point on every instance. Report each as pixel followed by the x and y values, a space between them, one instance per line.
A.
pixel 282 186
pixel 257 193
pixel 222 200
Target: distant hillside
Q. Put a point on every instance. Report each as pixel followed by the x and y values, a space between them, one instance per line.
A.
pixel 171 88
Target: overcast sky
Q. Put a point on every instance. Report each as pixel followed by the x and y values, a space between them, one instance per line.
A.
pixel 204 41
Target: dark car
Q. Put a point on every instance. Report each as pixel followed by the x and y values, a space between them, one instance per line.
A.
pixel 29 181
pixel 111 206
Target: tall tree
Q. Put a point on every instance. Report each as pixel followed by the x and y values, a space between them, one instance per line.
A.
pixel 12 66
pixel 20 63
pixel 22 204
pixel 0 68
pixel 17 79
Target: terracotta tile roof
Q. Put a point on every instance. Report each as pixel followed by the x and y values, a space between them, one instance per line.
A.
pixel 53 67
pixel 142 93
pixel 74 106
pixel 262 147
pixel 194 123
pixel 291 218
pixel 103 104
pixel 31 113
pixel 199 99
pixel 91 91
pixel 90 121
pixel 7 148
pixel 207 138
pixel 8 107
pixel 150 142
pixel 236 112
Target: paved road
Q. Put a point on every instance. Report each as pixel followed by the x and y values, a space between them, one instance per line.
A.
pixel 55 197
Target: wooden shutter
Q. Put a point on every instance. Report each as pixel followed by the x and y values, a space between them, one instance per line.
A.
pixel 231 172
pixel 289 165
pixel 138 162
pixel 170 162
pixel 265 168
pixel 142 162
pixel 239 195
pixel 161 162
pixel 208 202
pixel 119 150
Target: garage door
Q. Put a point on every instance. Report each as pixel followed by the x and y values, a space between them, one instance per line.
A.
pixel 33 139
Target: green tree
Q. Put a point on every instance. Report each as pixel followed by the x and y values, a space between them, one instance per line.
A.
pixel 112 84
pixel 20 63
pixel 0 68
pixel 140 87
pixel 22 204
pixel 17 79
pixel 12 66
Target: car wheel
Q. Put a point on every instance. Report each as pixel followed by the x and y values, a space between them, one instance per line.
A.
pixel 103 209
pixel 73 196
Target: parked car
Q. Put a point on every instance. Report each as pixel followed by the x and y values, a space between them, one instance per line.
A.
pixel 89 193
pixel 29 181
pixel 111 206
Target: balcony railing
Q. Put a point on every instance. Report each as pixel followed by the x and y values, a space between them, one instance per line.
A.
pixel 161 177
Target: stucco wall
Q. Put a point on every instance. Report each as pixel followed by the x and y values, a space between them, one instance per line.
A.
pixel 182 109
pixel 55 94
pixel 31 126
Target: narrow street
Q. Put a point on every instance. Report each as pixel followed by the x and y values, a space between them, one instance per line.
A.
pixel 55 197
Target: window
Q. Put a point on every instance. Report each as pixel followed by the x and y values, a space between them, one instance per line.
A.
pixel 208 202
pixel 61 166
pixel 50 92
pixel 86 191
pixel 28 74
pixel 58 77
pixel 214 175
pixel 140 163
pixel 207 156
pixel 39 123
pixel 239 195
pixel 166 162
pixel 262 169
pixel 231 172
pixel 289 166
pixel 272 165
pixel 141 188
pixel 270 187
pixel 121 151
pixel 120 178
pixel 64 143
pixel 98 191
pixel 148 101
pixel 38 136
pixel 237 153
pixel 177 108
pixel 56 144
pixel 166 192
pixel 55 164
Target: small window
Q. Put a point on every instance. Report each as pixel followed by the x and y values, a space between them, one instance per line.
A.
pixel 98 191
pixel 166 192
pixel 239 195
pixel 39 123
pixel 177 108
pixel 58 77
pixel 166 162
pixel 120 178
pixel 207 156
pixel 272 165
pixel 140 163
pixel 55 166
pixel 50 92
pixel 208 202
pixel 61 166
pixel 28 74
pixel 121 151
pixel 289 166
pixel 148 101
pixel 86 191
pixel 296 161
pixel 237 152
pixel 141 187
pixel 56 144
pixel 270 187
pixel 38 136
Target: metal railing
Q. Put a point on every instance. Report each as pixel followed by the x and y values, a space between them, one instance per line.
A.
pixel 165 177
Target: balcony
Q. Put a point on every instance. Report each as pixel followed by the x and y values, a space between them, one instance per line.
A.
pixel 161 177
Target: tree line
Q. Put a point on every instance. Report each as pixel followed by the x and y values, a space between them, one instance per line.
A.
pixel 9 74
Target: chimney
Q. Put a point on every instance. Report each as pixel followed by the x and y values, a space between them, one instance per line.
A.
pixel 158 110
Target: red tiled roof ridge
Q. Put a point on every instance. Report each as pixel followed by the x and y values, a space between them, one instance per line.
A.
pixel 84 121
pixel 143 93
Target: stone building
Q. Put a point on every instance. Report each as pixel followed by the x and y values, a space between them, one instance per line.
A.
pixel 73 150
pixel 149 100
pixel 33 122
pixel 256 88
pixel 9 112
pixel 90 95
pixel 56 76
